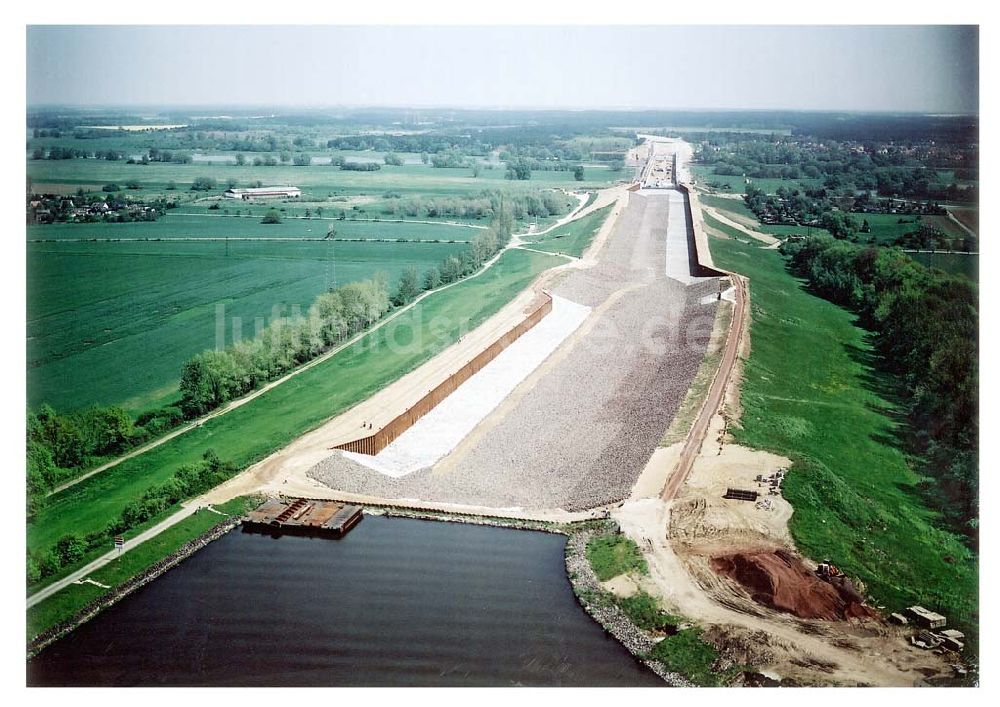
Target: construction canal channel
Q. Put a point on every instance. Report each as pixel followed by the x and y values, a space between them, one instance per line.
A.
pixel 396 601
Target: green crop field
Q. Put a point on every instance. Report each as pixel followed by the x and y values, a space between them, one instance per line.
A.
pixel 316 182
pixel 737 184
pixel 64 604
pixel 114 322
pixel 209 226
pixel 810 392
pixel 274 419
pixel 572 238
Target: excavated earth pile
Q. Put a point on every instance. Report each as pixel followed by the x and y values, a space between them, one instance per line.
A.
pixel 778 579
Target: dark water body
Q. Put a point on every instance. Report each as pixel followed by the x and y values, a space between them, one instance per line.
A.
pixel 395 602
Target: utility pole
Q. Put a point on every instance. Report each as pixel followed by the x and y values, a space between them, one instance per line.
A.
pixel 331 235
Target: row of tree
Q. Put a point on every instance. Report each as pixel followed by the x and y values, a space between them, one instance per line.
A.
pixel 214 377
pixel 62 444
pixel 485 204
pixel 925 325
pixel 190 480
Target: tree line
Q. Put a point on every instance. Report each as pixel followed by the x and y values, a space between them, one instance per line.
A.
pixel 925 325
pixel 60 445
pixel 485 204
pixel 189 480
pixel 214 377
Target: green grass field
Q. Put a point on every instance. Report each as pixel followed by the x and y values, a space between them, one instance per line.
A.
pixel 737 184
pixel 811 392
pixel 254 430
pixel 64 604
pixel 572 238
pixel 613 554
pixel 723 227
pixel 316 182
pixel 115 322
pixel 729 207
pixel 213 226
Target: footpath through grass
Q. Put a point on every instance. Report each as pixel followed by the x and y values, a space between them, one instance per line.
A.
pixel 251 432
pixel 62 605
pixel 574 237
pixel 811 392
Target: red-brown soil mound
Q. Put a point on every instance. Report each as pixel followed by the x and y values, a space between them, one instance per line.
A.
pixel 779 579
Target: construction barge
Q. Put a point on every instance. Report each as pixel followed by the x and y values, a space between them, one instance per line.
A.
pixel 301 516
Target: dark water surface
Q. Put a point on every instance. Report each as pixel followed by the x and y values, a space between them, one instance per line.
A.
pixel 395 602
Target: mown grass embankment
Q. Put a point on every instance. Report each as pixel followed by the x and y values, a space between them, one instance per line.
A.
pixel 573 237
pixel 811 392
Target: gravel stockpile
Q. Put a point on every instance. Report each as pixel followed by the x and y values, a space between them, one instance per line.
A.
pixel 581 436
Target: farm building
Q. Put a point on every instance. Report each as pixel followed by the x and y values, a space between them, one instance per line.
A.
pixel 263 193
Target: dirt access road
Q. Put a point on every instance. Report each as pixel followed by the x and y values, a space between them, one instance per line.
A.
pixel 681 528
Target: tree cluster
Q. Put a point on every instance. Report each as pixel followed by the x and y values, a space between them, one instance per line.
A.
pixel 911 171
pixel 212 378
pixel 60 444
pixel 360 166
pixel 925 326
pixel 189 480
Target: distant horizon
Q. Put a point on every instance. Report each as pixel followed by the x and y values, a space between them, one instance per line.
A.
pixel 470 108
pixel 920 69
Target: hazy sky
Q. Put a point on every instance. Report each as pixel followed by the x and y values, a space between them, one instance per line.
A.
pixel 932 69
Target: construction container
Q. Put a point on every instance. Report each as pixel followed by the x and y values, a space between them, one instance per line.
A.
pixel 926 618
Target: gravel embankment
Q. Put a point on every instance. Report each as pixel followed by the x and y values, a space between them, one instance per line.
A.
pixel 582 435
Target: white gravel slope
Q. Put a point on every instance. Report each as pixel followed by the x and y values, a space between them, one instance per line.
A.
pixel 438 432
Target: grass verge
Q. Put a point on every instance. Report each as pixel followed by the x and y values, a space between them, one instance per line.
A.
pixel 574 237
pixel 811 393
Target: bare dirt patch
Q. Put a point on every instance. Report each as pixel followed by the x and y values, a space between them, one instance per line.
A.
pixel 780 580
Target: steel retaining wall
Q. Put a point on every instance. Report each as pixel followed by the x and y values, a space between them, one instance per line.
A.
pixel 375 443
pixel 703 256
